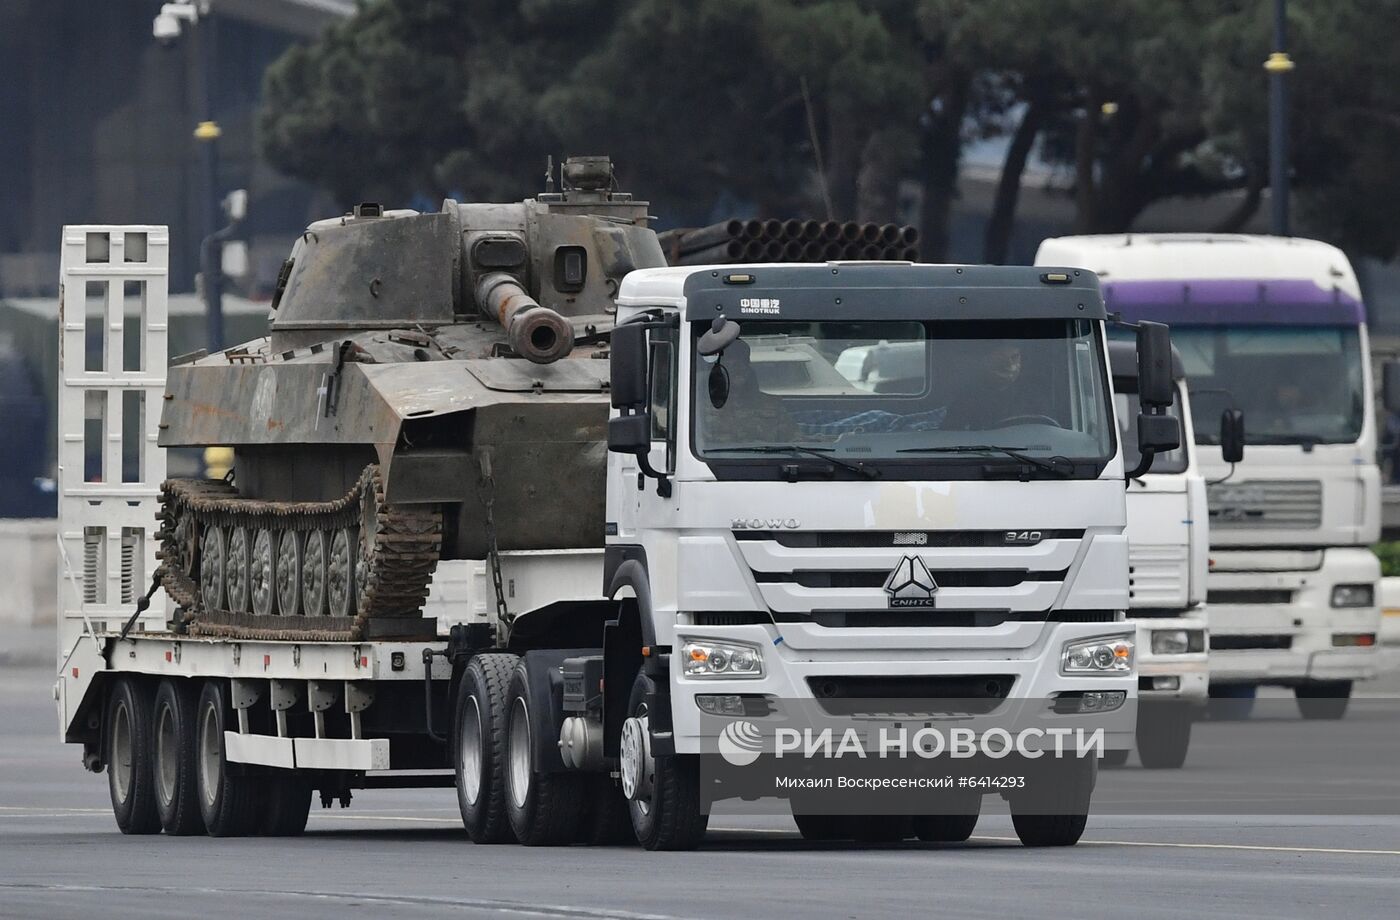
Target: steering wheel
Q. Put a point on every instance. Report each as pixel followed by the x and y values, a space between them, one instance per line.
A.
pixel 1027 419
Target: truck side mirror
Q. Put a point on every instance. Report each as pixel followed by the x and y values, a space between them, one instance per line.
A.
pixel 1232 435
pixel 627 370
pixel 1154 355
pixel 1158 433
pixel 630 434
pixel 1390 377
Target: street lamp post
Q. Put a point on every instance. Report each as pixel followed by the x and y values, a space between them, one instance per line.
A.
pixel 1278 66
pixel 166 28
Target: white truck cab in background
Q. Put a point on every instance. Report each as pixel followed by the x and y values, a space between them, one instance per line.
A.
pixel 1167 558
pixel 1274 327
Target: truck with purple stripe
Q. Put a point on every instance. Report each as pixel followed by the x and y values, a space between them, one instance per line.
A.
pixel 1274 328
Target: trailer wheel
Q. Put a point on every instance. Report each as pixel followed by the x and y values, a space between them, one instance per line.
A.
pixel 1323 699
pixel 129 746
pixel 1163 733
pixel 177 799
pixel 227 799
pixel 480 742
pixel 664 792
pixel 1055 809
pixel 288 804
pixel 544 809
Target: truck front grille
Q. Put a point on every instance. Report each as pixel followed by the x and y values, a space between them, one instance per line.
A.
pixel 963 694
pixel 1274 596
pixel 1263 504
pixel 1257 642
pixel 933 618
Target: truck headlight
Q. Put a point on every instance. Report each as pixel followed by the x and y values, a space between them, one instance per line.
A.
pixel 1104 655
pixel 1353 595
pixel 1178 641
pixel 703 658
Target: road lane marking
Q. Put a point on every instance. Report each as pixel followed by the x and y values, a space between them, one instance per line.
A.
pixel 1340 851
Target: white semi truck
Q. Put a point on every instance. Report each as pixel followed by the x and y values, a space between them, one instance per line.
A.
pixel 1274 328
pixel 773 533
pixel 1167 561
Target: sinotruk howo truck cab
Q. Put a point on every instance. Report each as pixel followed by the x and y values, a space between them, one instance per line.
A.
pixel 680 507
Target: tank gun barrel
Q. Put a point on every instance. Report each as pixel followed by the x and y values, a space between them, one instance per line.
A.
pixel 535 332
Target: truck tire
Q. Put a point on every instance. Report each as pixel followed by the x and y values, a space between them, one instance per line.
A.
pixel 1232 702
pixel 177 799
pixel 607 820
pixel 669 818
pixel 949 827
pixel 228 799
pixel 1118 758
pixel 879 828
pixel 129 749
pixel 1323 699
pixel 1055 812
pixel 1164 734
pixel 544 809
pixel 823 827
pixel 288 804
pixel 479 742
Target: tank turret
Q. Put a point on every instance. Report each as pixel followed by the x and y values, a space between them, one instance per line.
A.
pixel 427 379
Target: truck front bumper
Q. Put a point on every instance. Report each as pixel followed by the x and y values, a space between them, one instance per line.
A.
pixel 1280 627
pixel 798 678
pixel 1184 676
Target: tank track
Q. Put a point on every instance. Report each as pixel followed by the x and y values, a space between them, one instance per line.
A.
pixel 391 569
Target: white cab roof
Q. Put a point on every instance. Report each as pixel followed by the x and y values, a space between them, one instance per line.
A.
pixel 1198 256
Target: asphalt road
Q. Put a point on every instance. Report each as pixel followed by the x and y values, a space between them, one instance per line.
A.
pixel 403 854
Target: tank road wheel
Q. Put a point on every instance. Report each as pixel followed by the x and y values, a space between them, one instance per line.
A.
pixel 236 570
pixel 664 792
pixel 227 799
pixel 544 809
pixel 340 572
pixel 212 566
pixel 287 568
pixel 128 747
pixel 480 741
pixel 314 553
pixel 177 799
pixel 262 580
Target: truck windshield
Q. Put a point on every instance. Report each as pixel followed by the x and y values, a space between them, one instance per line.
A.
pixel 908 391
pixel 1296 384
pixel 1125 401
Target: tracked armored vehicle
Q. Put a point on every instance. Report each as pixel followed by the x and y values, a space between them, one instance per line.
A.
pixel 427 382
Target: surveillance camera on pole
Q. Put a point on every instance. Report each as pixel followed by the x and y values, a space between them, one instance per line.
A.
pixel 166 26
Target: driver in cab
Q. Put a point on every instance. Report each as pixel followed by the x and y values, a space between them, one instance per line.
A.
pixel 737 411
pixel 993 391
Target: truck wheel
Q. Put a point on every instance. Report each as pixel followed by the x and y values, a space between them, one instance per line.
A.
pixel 480 742
pixel 129 747
pixel 1323 699
pixel 950 828
pixel 177 799
pixel 227 799
pixel 544 809
pixel 607 819
pixel 1118 758
pixel 1232 702
pixel 288 804
pixel 663 792
pixel 880 828
pixel 1055 810
pixel 823 827
pixel 1163 734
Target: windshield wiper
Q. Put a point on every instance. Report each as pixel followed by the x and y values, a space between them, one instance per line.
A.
pixel 823 453
pixel 1051 465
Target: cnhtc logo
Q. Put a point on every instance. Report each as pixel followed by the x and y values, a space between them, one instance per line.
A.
pixel 911 584
pixel 740 742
